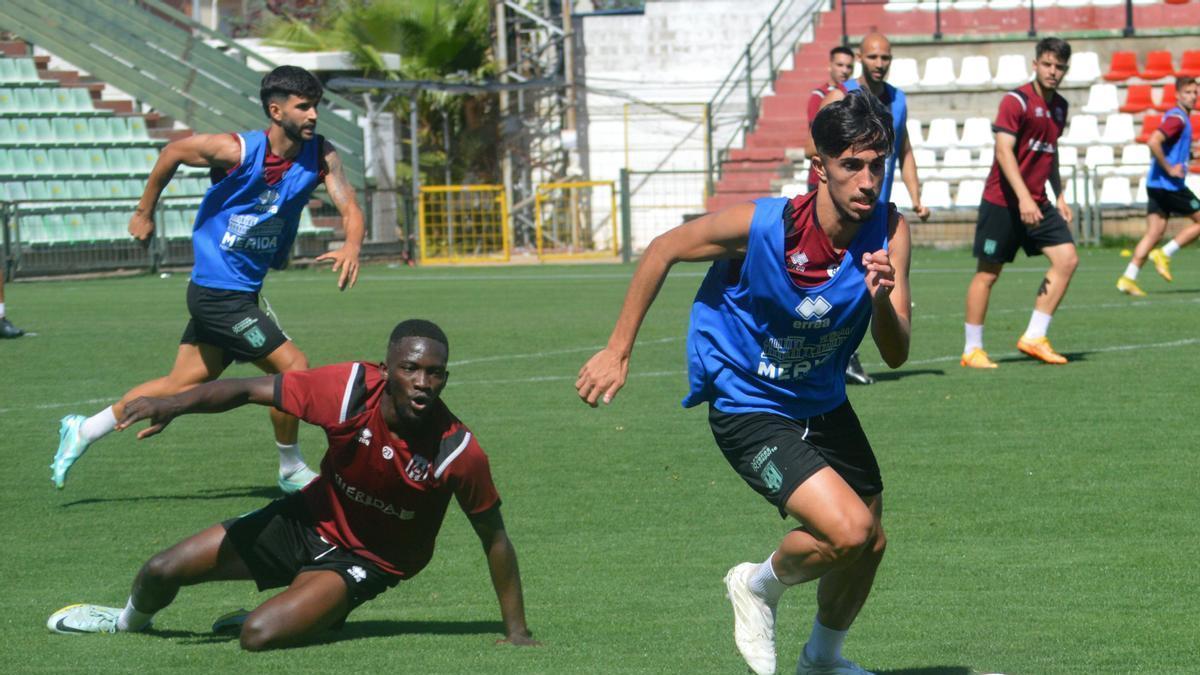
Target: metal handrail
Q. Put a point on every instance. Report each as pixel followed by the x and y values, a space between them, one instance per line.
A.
pixel 769 46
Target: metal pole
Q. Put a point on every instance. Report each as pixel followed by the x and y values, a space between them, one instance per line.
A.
pixel 937 19
pixel 709 178
pixel 1128 32
pixel 845 37
pixel 751 113
pixel 1032 25
pixel 770 50
pixel 626 219
pixel 414 149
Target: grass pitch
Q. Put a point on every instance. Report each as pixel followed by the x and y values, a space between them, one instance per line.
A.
pixel 1041 519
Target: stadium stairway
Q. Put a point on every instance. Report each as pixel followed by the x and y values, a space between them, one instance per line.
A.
pixel 765 159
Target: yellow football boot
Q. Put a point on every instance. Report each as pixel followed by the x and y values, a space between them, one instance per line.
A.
pixel 1162 263
pixel 1130 287
pixel 1041 350
pixel 977 358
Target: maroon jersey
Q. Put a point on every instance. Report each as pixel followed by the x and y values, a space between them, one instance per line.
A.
pixel 808 253
pixel 1037 126
pixel 377 495
pixel 1171 127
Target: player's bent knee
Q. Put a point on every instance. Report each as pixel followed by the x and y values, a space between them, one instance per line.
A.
pixel 850 540
pixel 258 635
pixel 163 568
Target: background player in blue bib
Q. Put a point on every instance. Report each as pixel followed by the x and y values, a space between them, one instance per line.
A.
pixel 767 354
pixel 246 225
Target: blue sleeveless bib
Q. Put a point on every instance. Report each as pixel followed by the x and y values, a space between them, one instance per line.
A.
pixel 764 344
pixel 1175 154
pixel 244 226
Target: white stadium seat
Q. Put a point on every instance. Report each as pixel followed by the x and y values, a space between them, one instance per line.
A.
pixel 1102 100
pixel 932 5
pixel 1012 70
pixel 970 193
pixel 969 5
pixel 935 194
pixel 1135 160
pixel 912 129
pixel 1072 4
pixel 1085 69
pixel 1085 186
pixel 1118 129
pixel 857 71
pixel 1084 130
pixel 1100 160
pixel 957 164
pixel 1146 2
pixel 903 73
pixel 900 195
pixel 939 73
pixel 1002 5
pixel 943 133
pixel 977 133
pixel 1193 182
pixel 927 164
pixel 1044 4
pixel 974 73
pixel 987 157
pixel 1141 197
pixel 1108 3
pixel 792 190
pixel 1068 159
pixel 1115 192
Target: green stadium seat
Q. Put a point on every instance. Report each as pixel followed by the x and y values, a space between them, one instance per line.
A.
pixel 8 101
pixel 63 163
pixel 73 227
pixel 8 132
pixel 174 189
pixel 137 128
pixel 99 225
pixel 27 70
pixel 118 160
pixel 196 186
pixel 81 99
pixel 32 229
pixel 37 191
pixel 4 191
pixel 95 160
pixel 42 130
pixel 94 189
pixel 16 191
pixel 20 162
pixel 39 161
pixel 133 187
pixel 6 163
pixel 81 132
pixel 32 100
pixel 55 228
pixel 117 129
pixel 142 159
pixel 24 129
pixel 176 224
pixel 8 71
pixel 52 100
pixel 77 190
pixel 114 189
pixel 57 190
pixel 99 130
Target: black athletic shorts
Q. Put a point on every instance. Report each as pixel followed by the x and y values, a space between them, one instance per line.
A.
pixel 774 454
pixel 999 232
pixel 1171 202
pixel 233 321
pixel 280 540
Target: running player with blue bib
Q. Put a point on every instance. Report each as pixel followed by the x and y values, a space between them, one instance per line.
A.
pixel 793 287
pixel 246 224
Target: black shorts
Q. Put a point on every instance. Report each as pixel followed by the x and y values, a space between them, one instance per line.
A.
pixel 233 321
pixel 280 540
pixel 774 454
pixel 999 232
pixel 1171 202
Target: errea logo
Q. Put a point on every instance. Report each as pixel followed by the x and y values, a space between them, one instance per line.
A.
pixel 364 436
pixel 809 308
pixel 358 573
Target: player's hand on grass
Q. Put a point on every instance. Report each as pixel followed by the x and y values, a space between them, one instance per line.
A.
pixel 602 377
pixel 881 276
pixel 159 411
pixel 523 639
pixel 1031 214
pixel 141 227
pixel 1064 209
pixel 345 260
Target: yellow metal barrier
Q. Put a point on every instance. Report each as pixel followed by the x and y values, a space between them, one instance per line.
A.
pixel 463 223
pixel 576 220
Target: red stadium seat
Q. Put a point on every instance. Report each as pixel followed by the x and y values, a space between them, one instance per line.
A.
pixel 1137 99
pixel 1190 65
pixel 1168 100
pixel 1122 67
pixel 1195 126
pixel 1177 2
pixel 1158 66
pixel 1149 123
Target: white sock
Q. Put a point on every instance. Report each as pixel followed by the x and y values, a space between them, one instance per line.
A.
pixel 290 459
pixel 825 644
pixel 1168 250
pixel 765 584
pixel 1131 271
pixel 974 337
pixel 99 425
pixel 1 310
pixel 131 619
pixel 1039 322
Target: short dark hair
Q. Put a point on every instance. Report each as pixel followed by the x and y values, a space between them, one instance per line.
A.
pixel 1183 81
pixel 287 81
pixel 418 328
pixel 1056 46
pixel 857 121
pixel 840 50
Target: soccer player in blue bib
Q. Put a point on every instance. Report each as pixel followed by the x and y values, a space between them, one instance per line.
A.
pixel 792 289
pixel 246 224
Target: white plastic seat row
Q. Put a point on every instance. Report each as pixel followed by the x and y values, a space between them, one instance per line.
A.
pixel 1002 5
pixel 943 134
pixel 975 72
pixel 1085 130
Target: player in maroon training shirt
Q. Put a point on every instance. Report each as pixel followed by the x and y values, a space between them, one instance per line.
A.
pixel 396 456
pixel 1015 212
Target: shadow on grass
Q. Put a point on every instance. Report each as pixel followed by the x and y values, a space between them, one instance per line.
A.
pixel 259 491
pixel 929 670
pixel 353 630
pixel 893 375
pixel 1072 357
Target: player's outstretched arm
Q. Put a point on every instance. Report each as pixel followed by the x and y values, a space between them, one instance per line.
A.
pixel 891 299
pixel 345 259
pixel 506 577
pixel 716 235
pixel 908 174
pixel 222 151
pixel 210 397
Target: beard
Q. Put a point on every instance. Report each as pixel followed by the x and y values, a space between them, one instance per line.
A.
pixel 294 131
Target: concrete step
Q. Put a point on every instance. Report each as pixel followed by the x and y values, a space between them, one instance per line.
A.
pixel 14 48
pixel 755 155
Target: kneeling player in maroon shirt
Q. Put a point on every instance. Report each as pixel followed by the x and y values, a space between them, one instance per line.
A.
pixel 396 455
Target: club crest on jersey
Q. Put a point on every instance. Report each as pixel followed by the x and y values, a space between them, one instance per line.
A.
pixel 364 436
pixel 809 308
pixel 417 469
pixel 388 452
pixel 797 261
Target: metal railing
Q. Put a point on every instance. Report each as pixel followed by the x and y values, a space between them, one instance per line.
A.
pixel 733 109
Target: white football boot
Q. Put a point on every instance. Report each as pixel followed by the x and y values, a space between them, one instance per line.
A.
pixel 78 619
pixel 753 621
